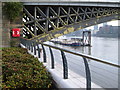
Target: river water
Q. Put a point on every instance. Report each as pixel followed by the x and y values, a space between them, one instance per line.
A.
pixel 104 48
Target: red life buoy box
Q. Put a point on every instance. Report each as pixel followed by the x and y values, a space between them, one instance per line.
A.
pixel 16 32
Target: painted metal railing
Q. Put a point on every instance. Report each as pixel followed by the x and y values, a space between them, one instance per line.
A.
pixel 32 45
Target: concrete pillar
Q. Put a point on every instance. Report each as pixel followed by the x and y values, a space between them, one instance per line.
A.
pixel 5 31
pixel 7 40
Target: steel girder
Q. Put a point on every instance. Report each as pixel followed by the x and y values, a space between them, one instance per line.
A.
pixel 46 22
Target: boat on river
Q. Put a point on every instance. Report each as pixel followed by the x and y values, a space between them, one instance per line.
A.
pixel 69 41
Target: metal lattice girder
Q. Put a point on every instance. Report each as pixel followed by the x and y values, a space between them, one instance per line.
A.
pixel 47 22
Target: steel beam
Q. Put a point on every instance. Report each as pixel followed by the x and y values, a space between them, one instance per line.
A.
pixel 54 21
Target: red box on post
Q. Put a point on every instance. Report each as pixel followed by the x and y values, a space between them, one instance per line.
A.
pixel 15 32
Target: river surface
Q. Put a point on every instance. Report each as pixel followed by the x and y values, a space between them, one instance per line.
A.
pixel 103 48
pixel 106 49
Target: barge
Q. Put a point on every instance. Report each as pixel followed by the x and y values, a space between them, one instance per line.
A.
pixel 69 41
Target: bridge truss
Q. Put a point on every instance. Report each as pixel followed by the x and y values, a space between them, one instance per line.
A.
pixel 46 22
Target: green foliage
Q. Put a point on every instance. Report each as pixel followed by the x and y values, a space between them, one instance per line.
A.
pixel 12 10
pixel 22 70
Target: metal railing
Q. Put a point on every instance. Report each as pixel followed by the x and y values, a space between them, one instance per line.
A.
pixel 34 47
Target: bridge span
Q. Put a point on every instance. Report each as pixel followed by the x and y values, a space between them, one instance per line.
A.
pixel 45 20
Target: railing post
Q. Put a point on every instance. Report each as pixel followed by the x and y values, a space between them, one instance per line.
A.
pixel 38 50
pixel 23 42
pixel 31 46
pixel 65 66
pixel 88 75
pixel 52 58
pixel 44 54
pixel 34 45
pixel 26 44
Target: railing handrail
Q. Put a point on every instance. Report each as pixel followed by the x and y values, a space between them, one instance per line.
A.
pixel 82 55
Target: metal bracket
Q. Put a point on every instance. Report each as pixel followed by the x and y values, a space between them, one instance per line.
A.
pixel 44 54
pixel 65 66
pixel 88 75
pixel 52 58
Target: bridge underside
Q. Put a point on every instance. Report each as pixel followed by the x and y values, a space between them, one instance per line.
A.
pixel 46 22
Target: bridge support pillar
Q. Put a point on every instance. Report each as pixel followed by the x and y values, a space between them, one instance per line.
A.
pixel 86 38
